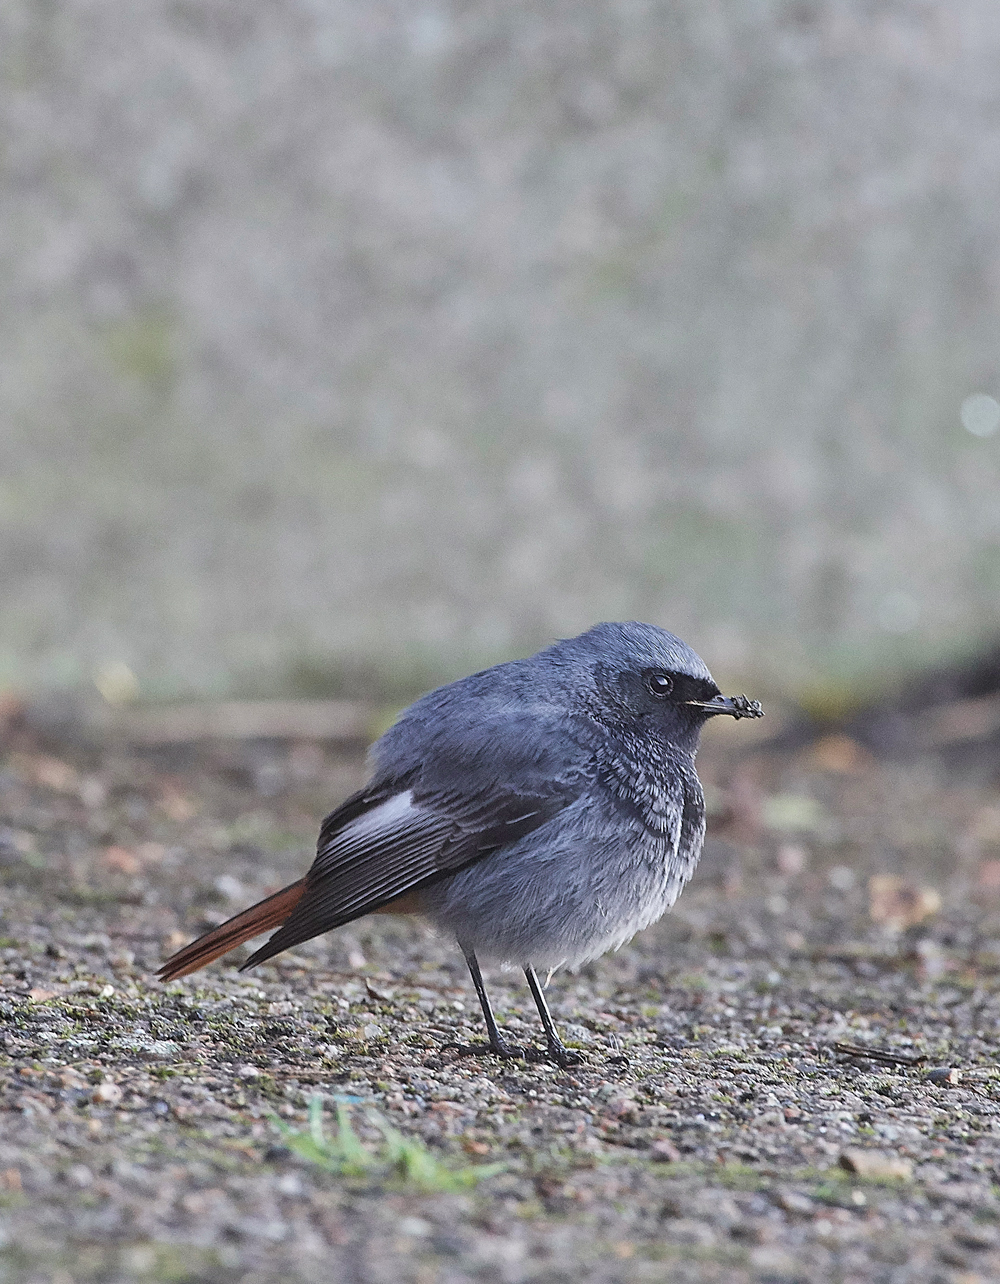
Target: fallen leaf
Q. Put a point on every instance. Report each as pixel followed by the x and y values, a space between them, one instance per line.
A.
pixel 897 904
pixel 121 859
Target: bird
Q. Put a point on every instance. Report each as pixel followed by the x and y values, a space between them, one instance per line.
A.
pixel 541 812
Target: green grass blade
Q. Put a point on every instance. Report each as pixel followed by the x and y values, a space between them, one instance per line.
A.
pixel 406 1161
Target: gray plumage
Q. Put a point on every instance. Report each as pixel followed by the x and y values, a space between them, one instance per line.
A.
pixel 616 857
pixel 542 811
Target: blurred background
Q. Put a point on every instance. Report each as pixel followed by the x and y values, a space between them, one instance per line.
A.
pixel 348 345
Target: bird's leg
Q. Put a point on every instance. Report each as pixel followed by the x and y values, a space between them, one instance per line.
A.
pixel 498 1044
pixel 558 1052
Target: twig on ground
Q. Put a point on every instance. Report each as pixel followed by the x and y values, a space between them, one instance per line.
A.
pixel 876 1054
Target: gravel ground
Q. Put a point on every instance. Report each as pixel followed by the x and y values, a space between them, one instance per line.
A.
pixel 841 901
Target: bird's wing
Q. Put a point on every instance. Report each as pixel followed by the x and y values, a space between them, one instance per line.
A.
pixel 388 841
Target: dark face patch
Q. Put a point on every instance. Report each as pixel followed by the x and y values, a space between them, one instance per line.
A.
pixel 678 688
pixel 633 694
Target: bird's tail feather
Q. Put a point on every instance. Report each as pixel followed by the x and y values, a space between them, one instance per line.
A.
pixel 262 917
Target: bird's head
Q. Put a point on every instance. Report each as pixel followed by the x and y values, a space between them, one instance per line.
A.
pixel 638 675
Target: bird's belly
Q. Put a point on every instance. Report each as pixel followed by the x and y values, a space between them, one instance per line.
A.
pixel 565 904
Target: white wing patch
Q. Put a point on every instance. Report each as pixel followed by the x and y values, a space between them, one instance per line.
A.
pixel 395 814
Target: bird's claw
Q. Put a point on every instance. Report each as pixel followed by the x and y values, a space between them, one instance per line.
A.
pixel 564 1057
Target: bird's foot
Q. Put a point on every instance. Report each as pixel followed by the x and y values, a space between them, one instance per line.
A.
pixel 563 1057
pixel 505 1051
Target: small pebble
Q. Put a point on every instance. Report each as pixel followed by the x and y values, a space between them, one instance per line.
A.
pixel 622 1108
pixel 415 1226
pixel 876 1165
pixel 107 1094
pixel 792 1201
pixel 944 1076
pixel 664 1152
pixel 977 1238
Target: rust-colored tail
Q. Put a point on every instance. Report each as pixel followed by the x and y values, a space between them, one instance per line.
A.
pixel 262 917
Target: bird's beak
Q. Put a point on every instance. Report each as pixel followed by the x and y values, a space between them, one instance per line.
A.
pixel 736 706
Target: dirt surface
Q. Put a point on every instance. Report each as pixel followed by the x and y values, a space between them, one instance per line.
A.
pixel 841 901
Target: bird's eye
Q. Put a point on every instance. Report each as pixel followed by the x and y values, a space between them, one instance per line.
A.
pixel 660 684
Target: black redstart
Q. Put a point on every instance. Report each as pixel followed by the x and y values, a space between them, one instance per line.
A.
pixel 542 811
